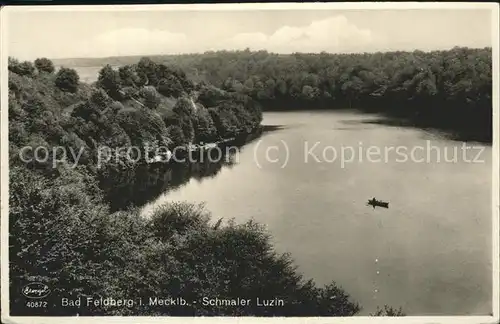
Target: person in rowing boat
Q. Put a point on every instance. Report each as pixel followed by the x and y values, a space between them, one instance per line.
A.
pixel 377 203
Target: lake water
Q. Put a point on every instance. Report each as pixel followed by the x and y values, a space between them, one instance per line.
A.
pixel 88 74
pixel 429 253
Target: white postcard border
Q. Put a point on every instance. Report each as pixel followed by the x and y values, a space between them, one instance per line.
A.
pixel 4 195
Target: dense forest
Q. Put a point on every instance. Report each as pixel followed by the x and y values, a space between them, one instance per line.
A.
pixel 449 90
pixel 63 232
pixel 446 90
pixel 146 105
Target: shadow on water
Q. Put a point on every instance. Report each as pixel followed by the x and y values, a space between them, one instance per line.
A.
pixel 272 128
pixel 352 128
pixel 447 134
pixel 396 122
pixel 148 181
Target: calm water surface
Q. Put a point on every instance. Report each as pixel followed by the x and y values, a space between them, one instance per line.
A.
pixel 430 252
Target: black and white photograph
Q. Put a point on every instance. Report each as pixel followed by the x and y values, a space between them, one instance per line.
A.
pixel 300 160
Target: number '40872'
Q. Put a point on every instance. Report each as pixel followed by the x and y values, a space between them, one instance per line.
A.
pixel 36 304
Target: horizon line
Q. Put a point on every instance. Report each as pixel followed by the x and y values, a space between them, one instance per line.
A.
pixel 268 52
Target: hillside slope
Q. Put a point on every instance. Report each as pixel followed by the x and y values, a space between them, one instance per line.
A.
pixel 63 234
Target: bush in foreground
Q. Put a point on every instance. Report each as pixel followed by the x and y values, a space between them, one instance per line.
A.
pixel 72 244
pixel 388 311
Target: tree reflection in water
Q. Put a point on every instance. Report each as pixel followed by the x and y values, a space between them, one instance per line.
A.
pixel 148 181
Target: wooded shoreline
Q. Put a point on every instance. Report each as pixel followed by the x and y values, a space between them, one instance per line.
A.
pixel 65 234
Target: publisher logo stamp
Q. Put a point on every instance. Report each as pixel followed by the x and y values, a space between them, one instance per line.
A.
pixel 36 290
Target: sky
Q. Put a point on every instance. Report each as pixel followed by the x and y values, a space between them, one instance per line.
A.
pixel 78 34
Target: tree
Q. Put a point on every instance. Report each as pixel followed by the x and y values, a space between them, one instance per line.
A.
pixel 100 99
pixel 249 85
pixel 44 65
pixel 151 97
pixel 116 106
pixel 210 96
pixel 146 68
pixel 308 92
pixel 24 68
pixel 12 63
pixel 281 87
pixel 269 88
pixel 170 86
pixel 176 135
pixel 130 92
pixel 67 79
pixel 184 107
pixel 128 76
pixel 203 125
pixel 109 80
